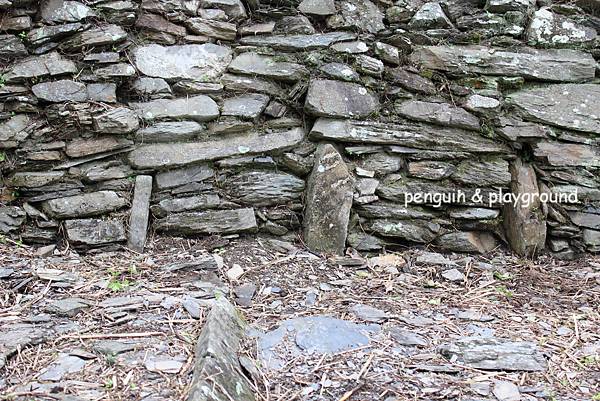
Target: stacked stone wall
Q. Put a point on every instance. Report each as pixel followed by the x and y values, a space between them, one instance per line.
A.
pixel 326 118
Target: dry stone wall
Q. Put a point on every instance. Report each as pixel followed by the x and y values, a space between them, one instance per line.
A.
pixel 323 117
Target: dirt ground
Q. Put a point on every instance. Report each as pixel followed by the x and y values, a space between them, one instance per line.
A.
pixel 133 338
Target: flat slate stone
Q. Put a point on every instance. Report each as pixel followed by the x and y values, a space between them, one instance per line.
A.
pixel 95 231
pixel 329 98
pixel 44 34
pixel 169 131
pixel 309 335
pixel 209 222
pixel 560 65
pixel 248 106
pixel 81 147
pixel 190 203
pixel 178 177
pixel 50 64
pixel 570 106
pixel 418 231
pixel 198 108
pixel 467 241
pixel 140 210
pixel 328 202
pixel 250 63
pixel 489 353
pixel 34 179
pixel 298 42
pixel 61 91
pixel 97 36
pixel 406 134
pixel 179 154
pixel 90 204
pixel 562 154
pixel 64 11
pixel 551 29
pixel 264 188
pixel 317 7
pixel 11 47
pixel 438 113
pixel 120 120
pixel 11 218
pixel 203 63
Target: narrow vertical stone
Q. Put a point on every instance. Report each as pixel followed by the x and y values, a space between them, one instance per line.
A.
pixel 328 202
pixel 525 225
pixel 138 219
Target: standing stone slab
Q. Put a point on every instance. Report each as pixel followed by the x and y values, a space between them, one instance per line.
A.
pixel 569 106
pixel 203 63
pixel 138 218
pixel 562 65
pixel 328 202
pixel 329 98
pixel 95 231
pixel 525 225
pixel 179 154
pixel 218 375
pixel 90 204
pixel 209 222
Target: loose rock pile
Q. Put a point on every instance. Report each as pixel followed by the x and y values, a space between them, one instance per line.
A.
pixel 232 117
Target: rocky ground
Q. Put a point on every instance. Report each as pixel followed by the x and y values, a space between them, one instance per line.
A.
pixel 398 326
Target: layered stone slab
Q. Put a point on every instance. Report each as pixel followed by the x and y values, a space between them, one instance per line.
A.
pixel 90 204
pixel 179 154
pixel 561 65
pixel 209 222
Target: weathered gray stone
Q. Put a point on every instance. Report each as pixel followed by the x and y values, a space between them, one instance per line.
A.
pixel 199 108
pixel 90 204
pixel 11 47
pixel 474 213
pixel 102 92
pixel 311 334
pixel 11 218
pixel 170 155
pixel 119 70
pixel 328 202
pixel 34 179
pixel 209 222
pixel 169 131
pixel 411 82
pixel 525 224
pixel 212 28
pixel 95 231
pixel 155 88
pixel 483 105
pixel 587 220
pixel 178 205
pixel 340 71
pixel 566 105
pixel 405 133
pixel 50 64
pixel 562 65
pixel 489 353
pixel 431 169
pixel 339 99
pixel 430 16
pixel 249 106
pixel 244 83
pixel 384 210
pixel 250 63
pixel 64 11
pixel 567 154
pixel 175 178
pixel 97 36
pixel 483 173
pixel 61 91
pixel 14 131
pixel 298 42
pixel 15 337
pixel 234 9
pixel 361 14
pixel 438 113
pixel 502 6
pixel 467 241
pixel 368 313
pixel 521 131
pixel 264 188
pixel 63 365
pixel 203 63
pixel 317 7
pixel 555 30
pixel 81 147
pixel 138 217
pixel 67 306
pixel 120 120
pixel 217 357
pixel 157 23
pixel 419 231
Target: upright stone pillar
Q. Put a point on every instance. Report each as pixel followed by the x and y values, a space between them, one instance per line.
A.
pixel 328 202
pixel 525 225
pixel 140 209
